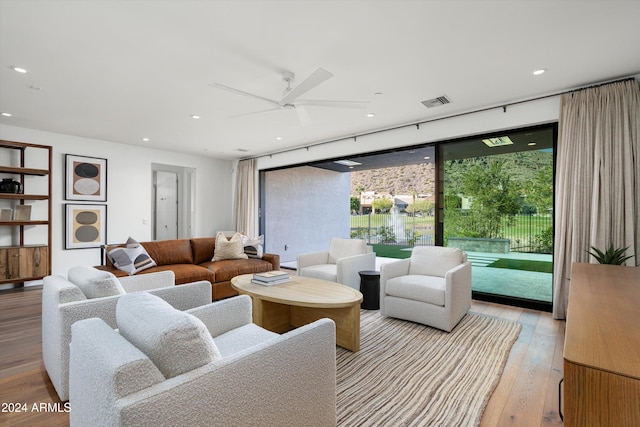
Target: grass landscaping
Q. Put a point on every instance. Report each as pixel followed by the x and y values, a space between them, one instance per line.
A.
pixel 392 251
pixel 523 264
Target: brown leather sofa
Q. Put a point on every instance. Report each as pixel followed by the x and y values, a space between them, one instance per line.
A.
pixel 190 260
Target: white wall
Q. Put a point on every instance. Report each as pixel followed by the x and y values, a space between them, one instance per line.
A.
pixel 129 205
pixel 304 208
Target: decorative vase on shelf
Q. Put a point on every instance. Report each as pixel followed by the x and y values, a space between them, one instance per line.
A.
pixel 8 185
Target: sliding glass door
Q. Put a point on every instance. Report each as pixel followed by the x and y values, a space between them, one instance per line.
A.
pixel 497 205
pixel 490 195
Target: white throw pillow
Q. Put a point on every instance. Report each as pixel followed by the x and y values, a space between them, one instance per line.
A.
pixel 434 260
pixel 95 283
pixel 175 341
pixel 131 259
pixel 253 247
pixel 228 249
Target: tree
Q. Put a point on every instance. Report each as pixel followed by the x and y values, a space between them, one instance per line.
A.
pixel 493 197
pixel 539 190
pixel 423 206
pixel 355 204
pixel 382 205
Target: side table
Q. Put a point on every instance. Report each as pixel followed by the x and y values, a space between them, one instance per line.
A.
pixel 370 289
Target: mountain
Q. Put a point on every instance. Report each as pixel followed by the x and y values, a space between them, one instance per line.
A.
pixel 522 166
pixel 396 180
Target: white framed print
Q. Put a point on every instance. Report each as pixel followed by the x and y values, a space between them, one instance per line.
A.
pixel 86 226
pixel 85 178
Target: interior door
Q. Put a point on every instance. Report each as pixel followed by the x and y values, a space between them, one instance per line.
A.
pixel 166 205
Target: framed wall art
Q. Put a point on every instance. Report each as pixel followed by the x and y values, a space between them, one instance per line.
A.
pixel 86 226
pixel 86 178
pixel 22 213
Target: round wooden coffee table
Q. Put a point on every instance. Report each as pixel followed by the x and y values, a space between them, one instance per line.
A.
pixel 280 308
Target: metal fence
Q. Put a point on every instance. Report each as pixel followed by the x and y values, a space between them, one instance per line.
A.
pixel 393 229
pixel 526 233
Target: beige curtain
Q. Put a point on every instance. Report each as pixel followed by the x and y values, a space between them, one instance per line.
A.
pixel 597 178
pixel 245 213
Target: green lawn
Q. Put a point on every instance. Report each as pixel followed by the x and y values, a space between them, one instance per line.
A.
pixel 378 220
pixel 523 223
pixel 391 251
pixel 523 264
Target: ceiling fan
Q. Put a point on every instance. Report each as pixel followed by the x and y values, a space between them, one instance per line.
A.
pixel 290 101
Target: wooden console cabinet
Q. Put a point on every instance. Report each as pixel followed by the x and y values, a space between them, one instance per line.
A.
pixel 23 262
pixel 602 347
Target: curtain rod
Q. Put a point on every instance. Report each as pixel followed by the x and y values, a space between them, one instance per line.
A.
pixel 417 124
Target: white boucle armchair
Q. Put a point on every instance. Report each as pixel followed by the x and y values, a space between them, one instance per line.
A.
pixel 433 287
pixel 64 302
pixel 209 366
pixel 341 263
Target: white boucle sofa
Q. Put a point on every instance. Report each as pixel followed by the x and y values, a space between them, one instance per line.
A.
pixel 208 366
pixel 64 303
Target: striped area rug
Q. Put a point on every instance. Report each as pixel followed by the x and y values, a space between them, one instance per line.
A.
pixel 407 374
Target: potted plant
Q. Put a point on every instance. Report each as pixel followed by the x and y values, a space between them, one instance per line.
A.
pixel 611 255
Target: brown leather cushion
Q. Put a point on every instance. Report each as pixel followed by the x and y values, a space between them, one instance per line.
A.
pixel 228 268
pixel 166 252
pixel 202 248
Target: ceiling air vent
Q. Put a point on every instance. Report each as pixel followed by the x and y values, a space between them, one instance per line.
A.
pixel 436 102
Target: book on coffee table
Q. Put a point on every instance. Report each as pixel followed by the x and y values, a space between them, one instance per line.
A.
pixel 271 278
pixel 271 275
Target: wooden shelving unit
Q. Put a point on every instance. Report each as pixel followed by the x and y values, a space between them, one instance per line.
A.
pixel 20 262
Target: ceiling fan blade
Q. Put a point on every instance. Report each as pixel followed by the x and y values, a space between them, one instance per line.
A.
pixel 241 92
pixel 333 103
pixel 318 76
pixel 255 112
pixel 303 116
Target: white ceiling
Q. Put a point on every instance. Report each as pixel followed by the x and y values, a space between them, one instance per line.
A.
pixel 123 70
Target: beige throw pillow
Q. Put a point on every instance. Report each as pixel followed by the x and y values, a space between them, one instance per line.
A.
pixel 228 249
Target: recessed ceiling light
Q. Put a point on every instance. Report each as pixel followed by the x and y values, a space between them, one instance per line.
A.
pixel 378 94
pixel 20 70
pixel 539 71
pixel 371 114
pixel 531 144
pixel 426 157
pixel 195 116
pixel 6 114
pixel 145 139
pixel 278 138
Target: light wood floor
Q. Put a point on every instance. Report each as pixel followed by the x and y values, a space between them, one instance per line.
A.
pixel 527 394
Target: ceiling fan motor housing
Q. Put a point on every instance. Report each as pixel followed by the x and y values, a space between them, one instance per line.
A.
pixel 288 76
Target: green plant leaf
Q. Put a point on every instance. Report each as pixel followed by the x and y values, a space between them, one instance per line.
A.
pixel 611 255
